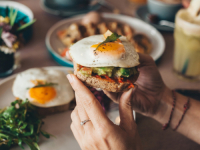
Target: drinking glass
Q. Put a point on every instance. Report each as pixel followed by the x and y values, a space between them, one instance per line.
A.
pixel 187 46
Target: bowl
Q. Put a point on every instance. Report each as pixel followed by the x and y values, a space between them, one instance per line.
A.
pixel 25 14
pixel 164 11
pixel 67 4
pixel 23 11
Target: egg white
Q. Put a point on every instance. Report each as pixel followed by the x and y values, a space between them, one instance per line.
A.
pixel 81 54
pixel 64 92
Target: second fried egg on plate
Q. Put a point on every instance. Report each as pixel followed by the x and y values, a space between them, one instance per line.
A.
pixel 43 87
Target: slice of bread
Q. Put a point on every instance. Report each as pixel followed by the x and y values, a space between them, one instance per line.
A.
pixel 53 110
pixel 103 83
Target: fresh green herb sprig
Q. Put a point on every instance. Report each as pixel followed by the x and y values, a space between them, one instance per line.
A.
pixel 20 123
pixel 113 37
pixel 13 16
pixel 44 85
pixel 24 26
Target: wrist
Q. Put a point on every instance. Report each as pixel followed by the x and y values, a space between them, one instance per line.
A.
pixel 164 107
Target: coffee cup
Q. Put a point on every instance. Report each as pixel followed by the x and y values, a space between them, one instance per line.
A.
pixel 164 10
pixel 67 4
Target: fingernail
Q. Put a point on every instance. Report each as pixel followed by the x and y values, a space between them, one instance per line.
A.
pixel 70 78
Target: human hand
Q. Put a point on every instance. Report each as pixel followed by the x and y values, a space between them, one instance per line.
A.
pixel 149 89
pixel 100 133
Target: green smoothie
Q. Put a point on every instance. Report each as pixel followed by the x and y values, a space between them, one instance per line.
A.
pixel 187 47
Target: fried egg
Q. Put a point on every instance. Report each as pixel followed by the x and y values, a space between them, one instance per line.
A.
pixel 120 53
pixel 43 87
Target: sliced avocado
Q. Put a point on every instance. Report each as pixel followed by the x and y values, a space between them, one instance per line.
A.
pixel 103 71
pixel 86 71
pixel 125 72
pixel 109 71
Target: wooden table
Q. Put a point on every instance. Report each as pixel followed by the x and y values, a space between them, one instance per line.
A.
pixel 34 54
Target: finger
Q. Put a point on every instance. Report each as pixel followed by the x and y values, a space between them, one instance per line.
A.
pixel 113 96
pixel 145 60
pixel 76 121
pixel 83 115
pixel 89 102
pixel 126 111
pixel 76 134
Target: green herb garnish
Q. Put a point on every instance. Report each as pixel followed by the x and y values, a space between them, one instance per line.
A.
pixel 44 85
pixel 11 11
pixel 26 25
pixel 13 18
pixel 113 37
pixel 20 123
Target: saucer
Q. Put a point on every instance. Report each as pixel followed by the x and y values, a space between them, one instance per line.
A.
pixel 142 13
pixel 73 11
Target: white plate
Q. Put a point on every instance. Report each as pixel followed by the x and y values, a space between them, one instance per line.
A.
pixel 57 125
pixel 53 43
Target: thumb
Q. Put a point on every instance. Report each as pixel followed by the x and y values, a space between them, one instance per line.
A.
pixel 125 110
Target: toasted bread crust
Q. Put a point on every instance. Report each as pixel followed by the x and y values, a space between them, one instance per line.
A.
pixel 52 110
pixel 103 83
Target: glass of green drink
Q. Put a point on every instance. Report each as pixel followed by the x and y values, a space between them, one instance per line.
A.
pixel 187 45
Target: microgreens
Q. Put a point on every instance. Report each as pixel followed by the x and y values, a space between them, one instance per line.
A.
pixel 20 123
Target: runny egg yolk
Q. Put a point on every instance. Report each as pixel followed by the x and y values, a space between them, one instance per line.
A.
pixel 42 94
pixel 113 50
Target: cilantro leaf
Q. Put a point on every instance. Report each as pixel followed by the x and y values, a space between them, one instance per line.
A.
pixel 113 37
pixel 44 85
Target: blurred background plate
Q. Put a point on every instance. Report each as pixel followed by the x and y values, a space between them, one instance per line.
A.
pixel 142 13
pixel 53 43
pixel 67 12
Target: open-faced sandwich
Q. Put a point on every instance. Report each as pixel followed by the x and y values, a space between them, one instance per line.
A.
pixel 108 62
pixel 47 89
